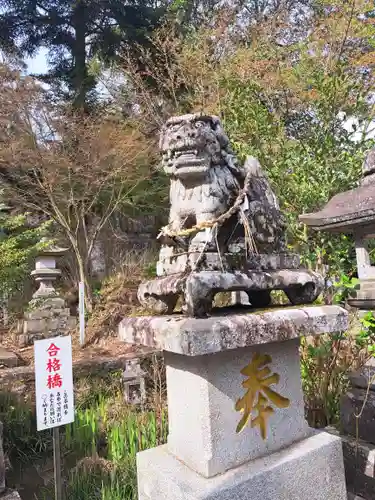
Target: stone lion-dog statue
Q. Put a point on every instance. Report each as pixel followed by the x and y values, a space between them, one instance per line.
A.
pixel 225 231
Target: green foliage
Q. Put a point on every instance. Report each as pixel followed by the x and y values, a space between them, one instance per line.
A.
pixel 19 244
pixel 366 336
pixel 305 169
pixel 325 363
pixel 111 434
pixel 345 288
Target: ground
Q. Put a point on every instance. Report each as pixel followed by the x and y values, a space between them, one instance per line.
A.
pixel 109 347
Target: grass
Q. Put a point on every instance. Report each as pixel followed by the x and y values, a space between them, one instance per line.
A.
pixel 108 434
pixel 99 449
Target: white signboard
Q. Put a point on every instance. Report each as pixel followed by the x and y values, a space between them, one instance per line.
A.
pixel 54 382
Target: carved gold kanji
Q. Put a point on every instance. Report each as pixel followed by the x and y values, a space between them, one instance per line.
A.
pixel 259 394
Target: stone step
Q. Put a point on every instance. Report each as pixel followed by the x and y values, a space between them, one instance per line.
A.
pixel 359 462
pixel 10 495
pixel 8 359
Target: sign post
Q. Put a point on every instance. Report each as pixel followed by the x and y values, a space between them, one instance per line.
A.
pixel 81 303
pixel 54 393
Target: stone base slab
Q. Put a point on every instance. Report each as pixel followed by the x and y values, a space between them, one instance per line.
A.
pixel 198 289
pixel 222 332
pixel 212 261
pixel 312 469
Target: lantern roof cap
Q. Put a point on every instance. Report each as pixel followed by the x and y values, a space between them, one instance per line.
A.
pixel 348 211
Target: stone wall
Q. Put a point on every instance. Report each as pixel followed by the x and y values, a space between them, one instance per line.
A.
pixel 121 236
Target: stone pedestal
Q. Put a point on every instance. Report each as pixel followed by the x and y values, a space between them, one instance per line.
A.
pixel 47 317
pixel 217 367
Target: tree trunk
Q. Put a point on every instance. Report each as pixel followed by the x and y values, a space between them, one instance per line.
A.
pixel 79 80
pixel 83 277
pixel 83 273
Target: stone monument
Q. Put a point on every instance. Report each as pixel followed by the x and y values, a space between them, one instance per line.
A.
pixel 353 212
pixel 237 428
pixel 47 315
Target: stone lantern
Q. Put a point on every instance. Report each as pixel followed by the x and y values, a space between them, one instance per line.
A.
pixel 353 212
pixel 47 315
pixel 45 272
pixel 134 382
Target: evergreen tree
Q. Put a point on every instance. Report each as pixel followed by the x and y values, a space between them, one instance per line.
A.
pixel 74 32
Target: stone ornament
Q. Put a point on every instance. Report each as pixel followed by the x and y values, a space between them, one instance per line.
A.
pixel 47 315
pixel 225 232
pixel 259 394
pixel 45 272
pixel 134 382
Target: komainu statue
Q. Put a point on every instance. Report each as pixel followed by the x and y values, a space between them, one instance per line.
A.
pixel 225 230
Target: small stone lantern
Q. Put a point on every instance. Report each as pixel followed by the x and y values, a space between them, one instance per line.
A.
pixel 45 272
pixel 134 382
pixel 47 315
pixel 353 212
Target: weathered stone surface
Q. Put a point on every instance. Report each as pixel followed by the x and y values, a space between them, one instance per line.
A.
pixel 34 326
pixel 199 288
pixel 202 394
pixel 170 263
pixel 206 179
pixel 349 210
pixel 351 405
pixel 48 317
pixel 309 470
pixel 354 208
pixel 195 336
pixel 8 358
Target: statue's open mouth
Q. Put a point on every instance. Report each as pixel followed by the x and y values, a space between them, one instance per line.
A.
pixel 184 158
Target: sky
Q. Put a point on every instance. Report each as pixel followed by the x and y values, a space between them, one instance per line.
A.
pixel 38 63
